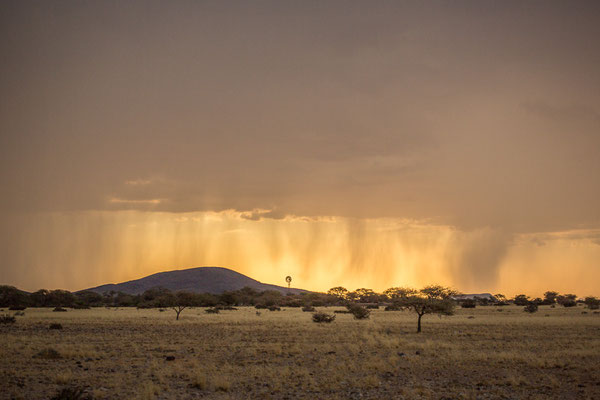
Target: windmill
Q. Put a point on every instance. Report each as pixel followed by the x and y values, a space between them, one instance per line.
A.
pixel 288 279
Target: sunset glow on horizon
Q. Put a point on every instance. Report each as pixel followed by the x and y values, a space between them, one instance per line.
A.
pixel 319 252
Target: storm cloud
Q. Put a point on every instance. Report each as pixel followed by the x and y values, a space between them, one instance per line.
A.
pixel 480 117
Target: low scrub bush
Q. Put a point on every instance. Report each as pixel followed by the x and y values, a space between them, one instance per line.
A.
pixel 212 311
pixel 308 309
pixel 342 312
pixel 7 319
pixel 55 326
pixel 323 317
pixel 531 308
pixel 372 306
pixel 17 308
pixel 60 309
pixel 81 307
pixel 359 312
pixel 19 314
pixel 392 307
pixel 48 354
pixel 274 308
pixel 71 394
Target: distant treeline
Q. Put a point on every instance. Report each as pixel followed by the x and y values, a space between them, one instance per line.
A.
pixel 338 296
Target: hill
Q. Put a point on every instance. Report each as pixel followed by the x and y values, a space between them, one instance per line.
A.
pixel 198 280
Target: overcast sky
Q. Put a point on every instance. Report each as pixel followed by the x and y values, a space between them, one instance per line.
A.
pixel 478 118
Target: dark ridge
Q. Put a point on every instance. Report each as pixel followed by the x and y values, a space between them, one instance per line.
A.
pixel 197 280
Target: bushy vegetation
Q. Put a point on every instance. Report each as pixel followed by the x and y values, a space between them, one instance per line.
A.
pixel 71 394
pixel 433 299
pixel 7 319
pixel 531 307
pixel 567 300
pixel 468 303
pixel 49 354
pixel 358 311
pixel 592 303
pixel 320 317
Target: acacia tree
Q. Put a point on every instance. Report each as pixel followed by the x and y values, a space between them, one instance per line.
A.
pixel 179 301
pixel 521 300
pixel 339 292
pixel 365 295
pixel 433 299
pixel 396 293
pixel 550 297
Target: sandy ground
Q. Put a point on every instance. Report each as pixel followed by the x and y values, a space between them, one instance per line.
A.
pixel 482 353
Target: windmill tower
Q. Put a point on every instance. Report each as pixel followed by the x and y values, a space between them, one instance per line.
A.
pixel 288 279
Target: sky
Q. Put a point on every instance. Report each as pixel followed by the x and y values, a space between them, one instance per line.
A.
pixel 361 144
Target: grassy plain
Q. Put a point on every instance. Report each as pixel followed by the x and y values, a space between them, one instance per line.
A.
pixel 482 353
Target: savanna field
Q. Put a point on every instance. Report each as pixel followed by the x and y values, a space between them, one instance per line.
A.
pixel 127 353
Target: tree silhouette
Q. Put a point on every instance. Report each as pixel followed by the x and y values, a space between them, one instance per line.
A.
pixel 339 292
pixel 429 300
pixel 550 297
pixel 180 301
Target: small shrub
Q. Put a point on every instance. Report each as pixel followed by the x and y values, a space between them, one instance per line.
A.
pixel 359 312
pixel 199 381
pixel 221 384
pixel 212 311
pixel 7 319
pixel 323 317
pixel 48 354
pixel 260 306
pixel 71 394
pixel 308 309
pixel 60 309
pixel 228 308
pixel 16 308
pixel 274 308
pixel 531 308
pixel 392 307
pixel 372 306
pixel 342 312
pixel 19 314
pixel 55 326
pixel 81 307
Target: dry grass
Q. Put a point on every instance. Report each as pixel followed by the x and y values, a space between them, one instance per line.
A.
pixel 237 354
